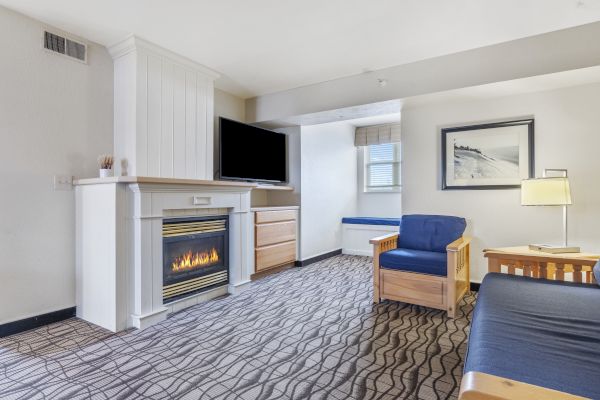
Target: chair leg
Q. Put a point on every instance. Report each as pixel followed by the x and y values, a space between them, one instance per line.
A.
pixel 376 295
pixel 451 311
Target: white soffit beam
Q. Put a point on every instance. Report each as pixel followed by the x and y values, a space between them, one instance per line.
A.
pixel 563 50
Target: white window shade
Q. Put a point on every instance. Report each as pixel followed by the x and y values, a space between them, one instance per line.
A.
pixel 380 134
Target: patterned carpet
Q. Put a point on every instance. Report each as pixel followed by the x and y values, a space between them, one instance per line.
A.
pixel 307 332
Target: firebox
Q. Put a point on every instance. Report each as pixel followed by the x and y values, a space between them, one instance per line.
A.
pixel 195 255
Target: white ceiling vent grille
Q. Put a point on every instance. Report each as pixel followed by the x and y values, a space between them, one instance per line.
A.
pixel 65 46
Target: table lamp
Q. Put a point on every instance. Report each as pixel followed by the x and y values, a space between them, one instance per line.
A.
pixel 549 191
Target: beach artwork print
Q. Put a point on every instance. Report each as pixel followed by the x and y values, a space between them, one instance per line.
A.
pixel 487 156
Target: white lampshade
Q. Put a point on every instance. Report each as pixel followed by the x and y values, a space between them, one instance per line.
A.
pixel 553 191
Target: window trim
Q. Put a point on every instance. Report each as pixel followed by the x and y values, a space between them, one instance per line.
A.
pixel 397 169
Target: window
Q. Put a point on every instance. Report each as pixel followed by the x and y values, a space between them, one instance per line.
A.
pixel 382 167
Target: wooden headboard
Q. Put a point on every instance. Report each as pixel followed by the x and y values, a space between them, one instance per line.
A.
pixel 575 267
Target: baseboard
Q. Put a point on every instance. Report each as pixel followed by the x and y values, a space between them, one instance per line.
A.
pixel 475 286
pixel 354 252
pixel 320 257
pixel 26 324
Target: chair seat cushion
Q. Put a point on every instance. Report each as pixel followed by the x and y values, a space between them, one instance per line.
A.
pixel 425 262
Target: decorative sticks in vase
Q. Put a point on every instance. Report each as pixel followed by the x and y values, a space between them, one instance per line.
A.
pixel 106 162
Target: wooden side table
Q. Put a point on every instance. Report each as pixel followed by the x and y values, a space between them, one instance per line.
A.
pixel 537 264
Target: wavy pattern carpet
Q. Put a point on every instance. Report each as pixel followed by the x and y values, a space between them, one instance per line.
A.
pixel 307 332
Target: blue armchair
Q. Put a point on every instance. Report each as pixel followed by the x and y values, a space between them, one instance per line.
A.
pixel 427 263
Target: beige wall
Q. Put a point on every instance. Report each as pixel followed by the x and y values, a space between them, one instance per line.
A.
pixel 566 136
pixel 56 117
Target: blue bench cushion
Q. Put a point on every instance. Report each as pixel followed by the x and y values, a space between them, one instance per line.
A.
pixel 426 262
pixel 430 232
pixel 371 221
pixel 541 332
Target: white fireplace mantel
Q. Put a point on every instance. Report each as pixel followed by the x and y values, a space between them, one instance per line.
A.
pixel 119 242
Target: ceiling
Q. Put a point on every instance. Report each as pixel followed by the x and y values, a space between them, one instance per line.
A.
pixel 264 46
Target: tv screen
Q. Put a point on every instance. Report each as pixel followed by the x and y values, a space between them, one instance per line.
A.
pixel 251 153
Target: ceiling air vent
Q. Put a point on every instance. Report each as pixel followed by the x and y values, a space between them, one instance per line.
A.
pixel 65 46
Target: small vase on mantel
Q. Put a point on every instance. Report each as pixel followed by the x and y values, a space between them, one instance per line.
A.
pixel 106 162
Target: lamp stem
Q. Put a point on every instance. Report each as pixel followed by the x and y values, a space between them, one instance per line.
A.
pixel 565 237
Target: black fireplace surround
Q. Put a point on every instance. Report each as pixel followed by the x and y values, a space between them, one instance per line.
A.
pixel 195 255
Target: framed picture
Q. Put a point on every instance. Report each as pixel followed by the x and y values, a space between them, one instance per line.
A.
pixel 487 156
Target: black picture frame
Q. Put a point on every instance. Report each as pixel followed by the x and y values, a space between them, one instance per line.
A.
pixel 445 132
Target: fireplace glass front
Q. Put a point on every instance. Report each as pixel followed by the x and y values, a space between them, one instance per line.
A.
pixel 195 255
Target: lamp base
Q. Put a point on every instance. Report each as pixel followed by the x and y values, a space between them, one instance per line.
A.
pixel 546 248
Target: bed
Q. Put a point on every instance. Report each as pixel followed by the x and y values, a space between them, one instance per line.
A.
pixel 538 332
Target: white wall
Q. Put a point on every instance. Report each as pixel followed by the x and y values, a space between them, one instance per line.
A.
pixel 229 106
pixel 566 136
pixel 375 204
pixel 328 162
pixel 56 117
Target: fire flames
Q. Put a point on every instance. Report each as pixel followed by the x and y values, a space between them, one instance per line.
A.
pixel 192 260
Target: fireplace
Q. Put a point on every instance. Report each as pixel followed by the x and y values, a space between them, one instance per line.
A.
pixel 195 255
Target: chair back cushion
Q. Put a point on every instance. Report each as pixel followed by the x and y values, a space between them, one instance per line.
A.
pixel 597 272
pixel 430 232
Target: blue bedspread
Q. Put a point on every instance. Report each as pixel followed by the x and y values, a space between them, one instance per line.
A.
pixel 541 332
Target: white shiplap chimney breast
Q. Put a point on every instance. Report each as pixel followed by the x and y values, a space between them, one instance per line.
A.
pixel 163 112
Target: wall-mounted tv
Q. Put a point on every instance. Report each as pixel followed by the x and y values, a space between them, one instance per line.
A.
pixel 250 153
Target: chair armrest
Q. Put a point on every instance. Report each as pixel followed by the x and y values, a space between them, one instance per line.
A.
pixel 384 238
pixel 381 244
pixel 458 244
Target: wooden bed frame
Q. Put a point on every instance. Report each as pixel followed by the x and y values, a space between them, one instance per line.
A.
pixel 441 292
pixel 481 386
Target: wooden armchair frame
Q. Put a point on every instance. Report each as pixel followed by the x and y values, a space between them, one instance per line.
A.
pixel 433 291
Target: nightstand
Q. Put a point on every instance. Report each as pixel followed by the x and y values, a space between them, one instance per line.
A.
pixel 537 264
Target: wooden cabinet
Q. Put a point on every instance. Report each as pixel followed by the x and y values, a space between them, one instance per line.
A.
pixel 274 238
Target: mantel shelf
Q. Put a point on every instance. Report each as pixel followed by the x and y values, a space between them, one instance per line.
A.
pixel 164 181
pixel 273 187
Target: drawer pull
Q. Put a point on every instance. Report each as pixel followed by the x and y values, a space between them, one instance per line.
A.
pixel 201 200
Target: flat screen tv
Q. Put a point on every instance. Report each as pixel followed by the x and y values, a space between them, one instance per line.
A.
pixel 250 153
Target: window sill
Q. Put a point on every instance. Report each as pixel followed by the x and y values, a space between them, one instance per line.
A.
pixel 395 191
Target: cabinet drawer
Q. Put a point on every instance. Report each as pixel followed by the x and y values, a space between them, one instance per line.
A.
pixel 263 217
pixel 274 255
pixel 277 232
